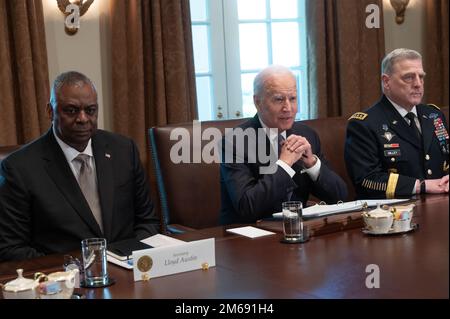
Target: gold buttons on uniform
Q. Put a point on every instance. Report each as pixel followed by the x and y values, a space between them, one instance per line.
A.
pixel 392 159
pixel 429 172
pixel 427 157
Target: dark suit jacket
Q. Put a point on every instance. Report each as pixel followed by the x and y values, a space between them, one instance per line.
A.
pixel 42 208
pixel 384 157
pixel 247 195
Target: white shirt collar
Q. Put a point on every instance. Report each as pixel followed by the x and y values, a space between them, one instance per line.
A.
pixel 402 110
pixel 272 133
pixel 69 151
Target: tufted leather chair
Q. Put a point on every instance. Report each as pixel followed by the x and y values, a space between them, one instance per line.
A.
pixel 190 192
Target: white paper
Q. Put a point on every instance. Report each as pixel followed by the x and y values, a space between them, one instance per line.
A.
pixel 250 231
pixel 157 240
pixel 324 210
pixel 128 264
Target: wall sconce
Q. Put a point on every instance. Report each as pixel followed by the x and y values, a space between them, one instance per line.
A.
pixel 400 8
pixel 73 11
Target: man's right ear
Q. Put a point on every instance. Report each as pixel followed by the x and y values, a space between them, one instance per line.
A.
pixel 256 101
pixel 385 81
pixel 49 110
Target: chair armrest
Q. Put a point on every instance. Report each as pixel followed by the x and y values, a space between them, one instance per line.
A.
pixel 178 229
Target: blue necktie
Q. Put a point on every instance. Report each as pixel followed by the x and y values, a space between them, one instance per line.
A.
pixel 280 144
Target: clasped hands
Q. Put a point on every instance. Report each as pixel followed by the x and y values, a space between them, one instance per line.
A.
pixel 437 186
pixel 296 148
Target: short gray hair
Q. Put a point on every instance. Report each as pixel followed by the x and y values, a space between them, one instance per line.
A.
pixel 261 77
pixel 398 55
pixel 68 78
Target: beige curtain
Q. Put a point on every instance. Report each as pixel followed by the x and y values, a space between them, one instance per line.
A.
pixel 153 77
pixel 436 52
pixel 344 57
pixel 24 85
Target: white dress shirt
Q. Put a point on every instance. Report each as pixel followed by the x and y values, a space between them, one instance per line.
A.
pixel 70 153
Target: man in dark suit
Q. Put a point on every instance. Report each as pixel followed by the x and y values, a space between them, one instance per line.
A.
pixel 253 188
pixel 399 147
pixel 48 200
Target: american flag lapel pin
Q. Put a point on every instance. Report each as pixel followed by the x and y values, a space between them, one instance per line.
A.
pixel 107 155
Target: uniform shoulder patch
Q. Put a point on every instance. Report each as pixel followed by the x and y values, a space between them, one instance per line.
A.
pixel 435 106
pixel 359 116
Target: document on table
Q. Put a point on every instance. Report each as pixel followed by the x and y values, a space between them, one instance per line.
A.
pixel 157 240
pixel 250 231
pixel 346 207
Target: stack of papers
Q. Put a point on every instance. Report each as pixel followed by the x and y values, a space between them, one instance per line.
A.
pixel 325 210
pixel 157 240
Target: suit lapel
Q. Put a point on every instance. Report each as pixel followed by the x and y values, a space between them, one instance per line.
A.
pixel 256 125
pixel 103 164
pixel 427 128
pixel 60 172
pixel 398 124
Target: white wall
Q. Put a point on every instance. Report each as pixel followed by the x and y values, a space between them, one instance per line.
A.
pixel 410 33
pixel 81 52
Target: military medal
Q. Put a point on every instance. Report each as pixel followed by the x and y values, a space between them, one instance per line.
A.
pixel 388 136
pixel 393 145
pixel 441 134
pixel 392 152
pixel 433 116
pixel 440 131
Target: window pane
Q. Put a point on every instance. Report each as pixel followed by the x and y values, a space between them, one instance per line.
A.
pixel 198 10
pixel 204 100
pixel 302 111
pixel 201 50
pixel 253 46
pixel 248 107
pixel 251 9
pixel 283 9
pixel 285 43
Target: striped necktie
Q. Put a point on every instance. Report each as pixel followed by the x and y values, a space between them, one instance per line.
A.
pixel 88 185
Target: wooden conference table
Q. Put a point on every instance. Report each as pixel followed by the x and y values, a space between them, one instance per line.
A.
pixel 331 265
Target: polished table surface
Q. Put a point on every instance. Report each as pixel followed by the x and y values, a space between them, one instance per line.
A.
pixel 330 265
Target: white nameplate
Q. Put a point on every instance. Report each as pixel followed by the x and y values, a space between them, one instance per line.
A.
pixel 168 260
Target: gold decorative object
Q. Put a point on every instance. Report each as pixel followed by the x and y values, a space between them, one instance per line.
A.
pixel 73 11
pixel 41 277
pixel 144 263
pixel 400 8
pixel 205 266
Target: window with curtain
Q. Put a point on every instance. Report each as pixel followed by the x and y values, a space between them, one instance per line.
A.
pixel 233 40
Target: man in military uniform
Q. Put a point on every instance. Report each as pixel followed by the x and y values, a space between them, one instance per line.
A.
pixel 399 147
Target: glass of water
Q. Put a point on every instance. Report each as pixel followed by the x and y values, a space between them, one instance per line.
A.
pixel 293 222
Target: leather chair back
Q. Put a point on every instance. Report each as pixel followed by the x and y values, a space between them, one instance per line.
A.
pixel 445 111
pixel 332 132
pixel 190 192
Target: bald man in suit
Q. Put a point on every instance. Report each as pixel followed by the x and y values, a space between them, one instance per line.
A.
pixel 43 206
